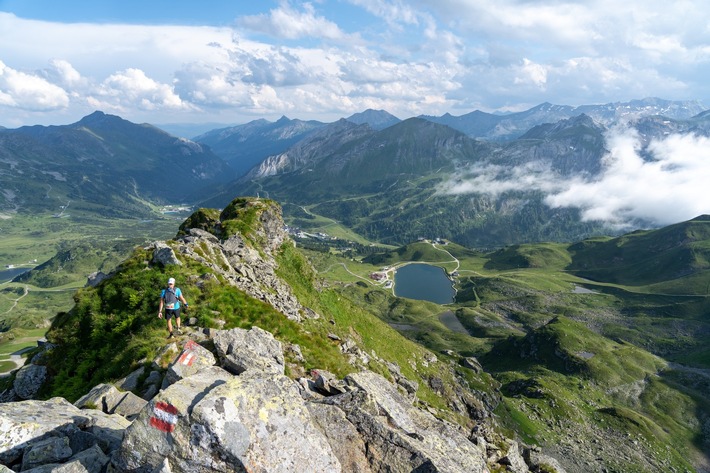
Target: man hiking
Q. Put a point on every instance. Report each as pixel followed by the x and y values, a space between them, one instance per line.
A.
pixel 170 298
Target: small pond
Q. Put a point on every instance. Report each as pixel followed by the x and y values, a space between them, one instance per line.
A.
pixel 8 274
pixel 424 282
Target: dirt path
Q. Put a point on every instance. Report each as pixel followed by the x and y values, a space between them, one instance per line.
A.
pixel 14 304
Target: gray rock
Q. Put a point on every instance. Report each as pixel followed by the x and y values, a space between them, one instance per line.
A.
pixel 295 351
pixel 164 255
pixel 26 421
pixel 215 422
pixel 472 363
pixel 129 406
pixel 92 460
pixel 537 460
pixel 257 349
pixel 95 278
pixel 260 421
pixel 50 450
pixel 514 460
pixel 29 380
pixel 327 383
pixel 164 423
pixel 400 437
pixel 150 392
pixel 154 378
pixel 342 436
pixel 80 440
pixel 192 359
pixel 130 382
pixel 107 428
pixel 9 395
pixel 110 400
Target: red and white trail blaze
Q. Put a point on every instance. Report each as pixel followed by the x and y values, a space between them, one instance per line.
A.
pixel 164 416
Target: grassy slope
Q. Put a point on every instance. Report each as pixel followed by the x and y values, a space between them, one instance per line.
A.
pixel 69 249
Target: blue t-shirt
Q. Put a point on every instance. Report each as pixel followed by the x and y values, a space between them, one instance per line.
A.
pixel 178 293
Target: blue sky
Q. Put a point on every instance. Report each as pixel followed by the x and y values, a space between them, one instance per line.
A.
pixel 221 61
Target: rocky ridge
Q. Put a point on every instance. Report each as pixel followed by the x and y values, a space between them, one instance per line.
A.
pixel 224 403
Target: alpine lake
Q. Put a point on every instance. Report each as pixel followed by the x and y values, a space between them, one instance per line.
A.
pixel 424 282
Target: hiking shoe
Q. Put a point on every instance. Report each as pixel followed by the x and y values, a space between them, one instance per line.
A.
pixel 171 335
pixel 179 332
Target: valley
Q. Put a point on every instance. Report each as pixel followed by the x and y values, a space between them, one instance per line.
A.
pixel 580 338
pixel 572 365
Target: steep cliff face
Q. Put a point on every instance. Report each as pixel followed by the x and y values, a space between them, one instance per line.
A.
pixel 311 393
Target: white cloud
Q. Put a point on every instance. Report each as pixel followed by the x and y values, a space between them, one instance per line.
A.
pixel 669 187
pixel 28 91
pixel 393 12
pixel 287 22
pixel 531 73
pixel 133 87
pixel 409 57
pixel 666 186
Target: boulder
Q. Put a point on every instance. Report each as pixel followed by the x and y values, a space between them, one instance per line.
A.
pixel 130 382
pixel 327 383
pixel 400 437
pixel 50 450
pixel 342 436
pixel 192 359
pixel 513 460
pixel 24 422
pixel 164 423
pixel 472 363
pixel 110 400
pixel 28 380
pixel 164 255
pixel 92 460
pixel 261 422
pixel 240 350
pixel 216 422
pixel 108 429
pixel 95 278
pixel 541 462
pixel 55 436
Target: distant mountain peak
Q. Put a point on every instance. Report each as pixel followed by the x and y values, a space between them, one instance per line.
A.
pixel 377 119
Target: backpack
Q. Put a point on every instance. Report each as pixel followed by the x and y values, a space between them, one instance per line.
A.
pixel 170 298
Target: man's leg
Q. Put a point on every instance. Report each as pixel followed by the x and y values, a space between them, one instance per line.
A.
pixel 169 316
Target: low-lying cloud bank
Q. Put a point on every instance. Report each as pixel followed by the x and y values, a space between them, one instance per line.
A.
pixel 662 183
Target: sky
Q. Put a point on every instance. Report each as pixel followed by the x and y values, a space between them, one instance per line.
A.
pixel 230 62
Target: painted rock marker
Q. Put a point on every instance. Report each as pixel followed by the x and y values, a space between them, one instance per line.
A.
pixel 164 416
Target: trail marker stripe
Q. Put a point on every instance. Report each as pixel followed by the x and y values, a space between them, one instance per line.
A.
pixel 187 358
pixel 164 416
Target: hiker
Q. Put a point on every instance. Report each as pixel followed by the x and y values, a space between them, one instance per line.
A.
pixel 170 298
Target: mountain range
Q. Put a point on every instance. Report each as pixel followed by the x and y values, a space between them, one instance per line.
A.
pixel 387 179
pixel 102 164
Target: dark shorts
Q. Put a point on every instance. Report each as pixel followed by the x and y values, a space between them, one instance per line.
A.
pixel 170 313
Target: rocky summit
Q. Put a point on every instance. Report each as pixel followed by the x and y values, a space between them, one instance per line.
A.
pixel 234 400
